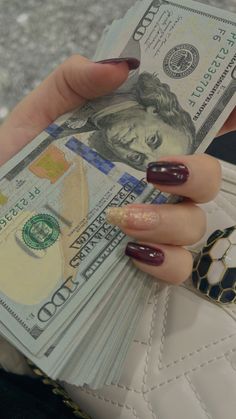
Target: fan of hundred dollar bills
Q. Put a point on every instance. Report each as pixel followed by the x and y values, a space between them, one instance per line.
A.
pixel 70 299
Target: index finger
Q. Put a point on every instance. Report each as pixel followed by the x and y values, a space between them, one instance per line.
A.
pixel 196 177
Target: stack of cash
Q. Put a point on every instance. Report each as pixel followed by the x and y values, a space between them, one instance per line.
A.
pixel 70 299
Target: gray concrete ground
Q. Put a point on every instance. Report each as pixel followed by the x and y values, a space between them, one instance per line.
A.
pixel 37 35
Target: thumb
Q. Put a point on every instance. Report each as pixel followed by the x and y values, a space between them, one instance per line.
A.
pixel 79 79
pixel 69 86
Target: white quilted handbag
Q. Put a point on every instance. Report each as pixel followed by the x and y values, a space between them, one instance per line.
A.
pixel 182 363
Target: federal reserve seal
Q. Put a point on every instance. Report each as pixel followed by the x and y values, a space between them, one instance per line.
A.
pixel 181 61
pixel 41 231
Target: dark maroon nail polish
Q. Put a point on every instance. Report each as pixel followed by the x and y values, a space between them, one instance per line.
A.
pixel 133 63
pixel 145 254
pixel 167 173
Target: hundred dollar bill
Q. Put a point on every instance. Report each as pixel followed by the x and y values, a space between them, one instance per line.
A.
pixel 55 244
pixel 183 91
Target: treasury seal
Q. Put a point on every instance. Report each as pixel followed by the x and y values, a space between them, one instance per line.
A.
pixel 181 61
pixel 41 231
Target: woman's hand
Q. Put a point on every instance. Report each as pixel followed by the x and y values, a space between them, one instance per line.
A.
pixel 68 87
pixel 160 231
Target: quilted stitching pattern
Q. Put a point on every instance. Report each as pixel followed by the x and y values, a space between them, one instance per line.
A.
pixel 155 389
pixel 182 359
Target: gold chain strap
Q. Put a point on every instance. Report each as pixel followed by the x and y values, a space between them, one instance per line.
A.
pixel 59 391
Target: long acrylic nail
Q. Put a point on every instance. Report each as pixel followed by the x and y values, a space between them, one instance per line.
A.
pixel 145 254
pixel 167 173
pixel 136 217
pixel 133 63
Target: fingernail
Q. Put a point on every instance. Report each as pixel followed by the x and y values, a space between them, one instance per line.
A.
pixel 133 217
pixel 167 173
pixel 133 63
pixel 145 254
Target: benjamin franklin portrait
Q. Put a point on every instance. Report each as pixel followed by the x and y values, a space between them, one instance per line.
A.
pixel 138 125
